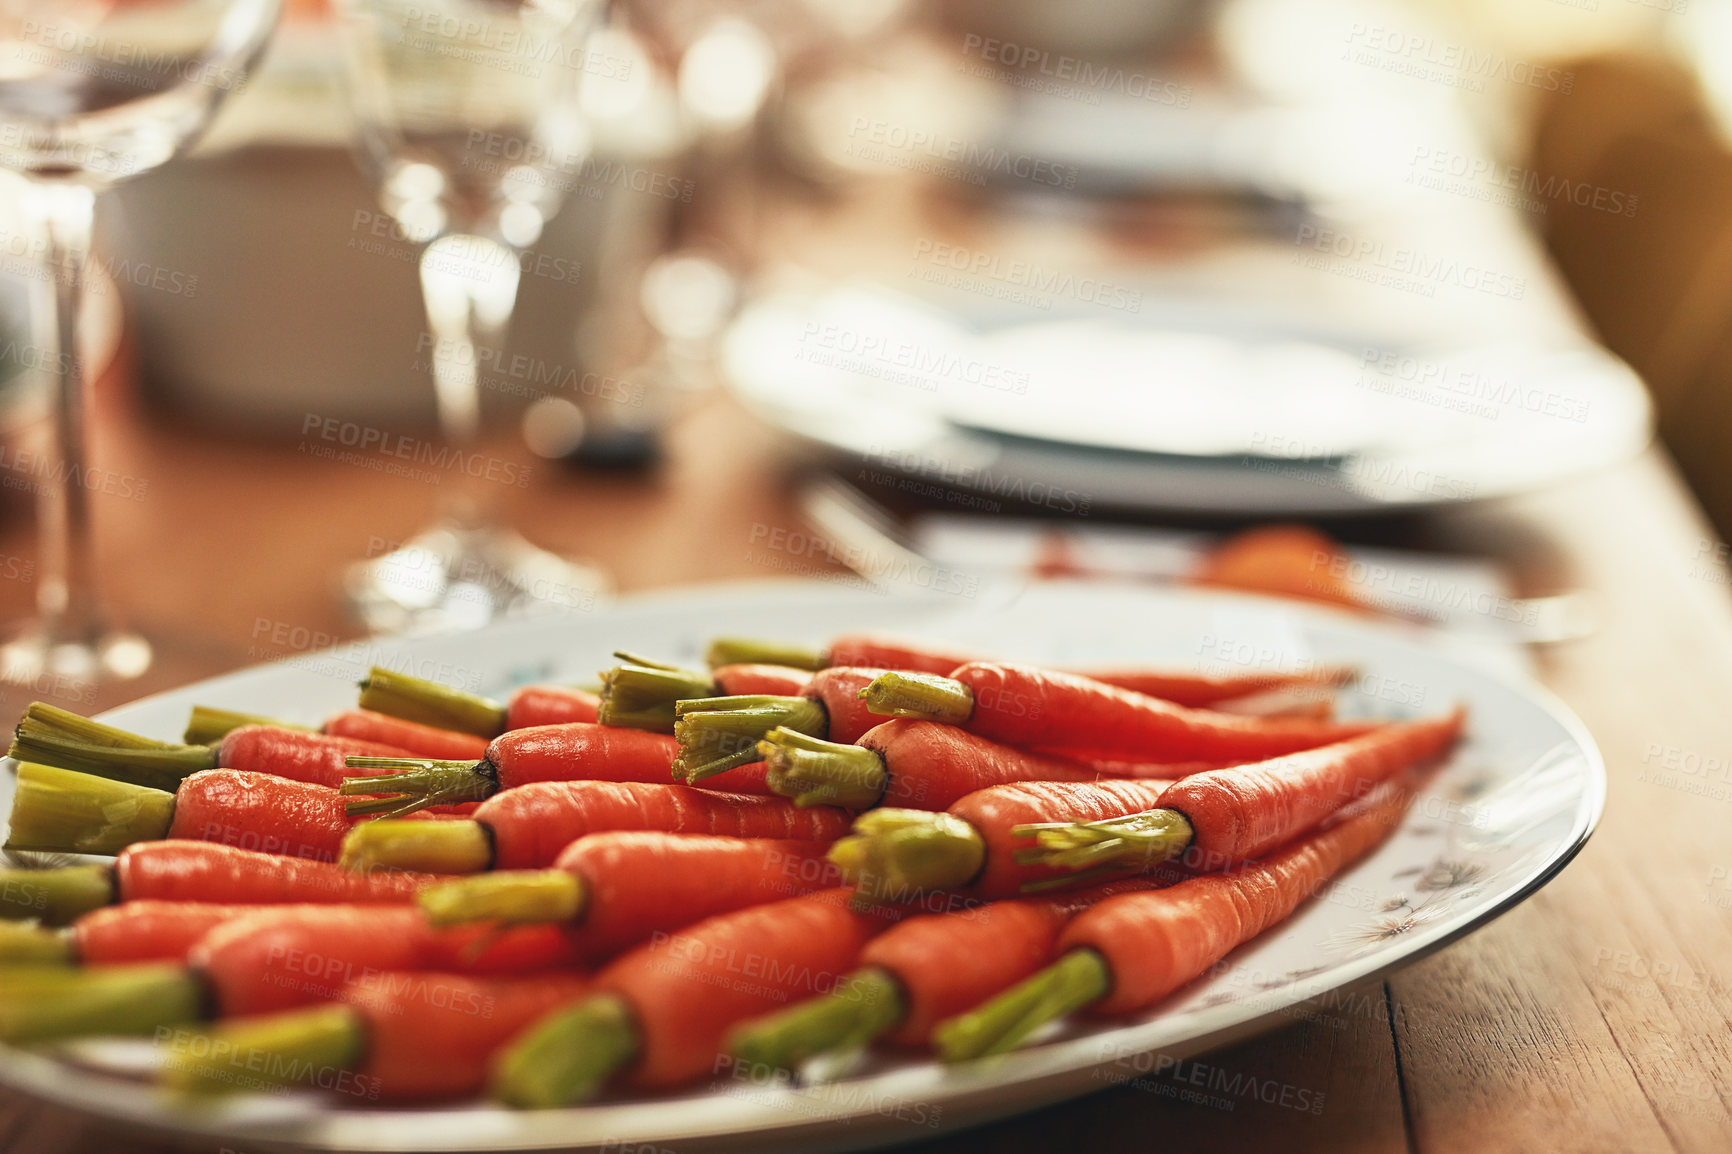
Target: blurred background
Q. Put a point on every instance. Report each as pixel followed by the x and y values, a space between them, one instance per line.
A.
pixel 890 292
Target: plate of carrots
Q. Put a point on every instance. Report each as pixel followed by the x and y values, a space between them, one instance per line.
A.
pixel 752 867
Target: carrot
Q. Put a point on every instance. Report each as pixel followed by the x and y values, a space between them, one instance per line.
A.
pixel 1227 816
pixel 52 736
pixel 661 1011
pixel 1131 950
pixel 757 679
pixel 1200 690
pixel 527 827
pixel 1181 687
pixel 717 734
pixel 408 736
pixel 971 848
pixel 196 871
pixel 915 764
pixel 285 956
pixel 622 886
pixel 1025 705
pixel 147 931
pixel 918 972
pixel 429 703
pixel 59 811
pixel 575 751
pixel 269 959
pixel 404 1036
pixel 1284 560
pixel 549 705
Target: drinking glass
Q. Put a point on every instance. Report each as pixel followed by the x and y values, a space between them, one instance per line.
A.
pixel 93 92
pixel 471 128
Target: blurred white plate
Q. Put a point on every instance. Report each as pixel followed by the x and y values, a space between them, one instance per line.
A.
pixel 1175 406
pixel 1511 807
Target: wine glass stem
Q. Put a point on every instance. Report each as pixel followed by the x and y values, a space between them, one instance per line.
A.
pixel 469 285
pixel 67 596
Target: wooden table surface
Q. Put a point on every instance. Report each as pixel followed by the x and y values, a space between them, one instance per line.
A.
pixel 1594 1017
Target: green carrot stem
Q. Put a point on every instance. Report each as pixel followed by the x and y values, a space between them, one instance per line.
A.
pixel 1134 841
pixel 439 847
pixel 32 945
pixel 717 734
pixel 55 896
pixel 813 771
pixel 753 651
pixel 283 1049
pixel 640 694
pixel 893 851
pixel 424 782
pixel 59 811
pixel 506 896
pixel 1077 979
pixel 864 1004
pixel 923 696
pixel 568 1055
pixel 428 702
pixel 49 735
pixel 43 1003
pixel 209 725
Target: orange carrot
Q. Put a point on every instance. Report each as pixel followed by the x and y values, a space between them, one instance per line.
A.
pixel 408 736
pixel 430 1036
pixel 1181 687
pixel 147 931
pixel 1028 706
pixel 915 764
pixel 661 1011
pixel 528 827
pixel 754 678
pixel 574 751
pixel 549 705
pixel 617 888
pixel 286 956
pixel 971 847
pixel 918 972
pixel 1246 811
pixel 197 871
pixel 1128 952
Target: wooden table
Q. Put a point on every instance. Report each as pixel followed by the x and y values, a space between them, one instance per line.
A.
pixel 1594 1017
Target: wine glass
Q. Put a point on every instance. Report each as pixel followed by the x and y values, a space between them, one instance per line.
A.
pixel 93 92
pixel 471 128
